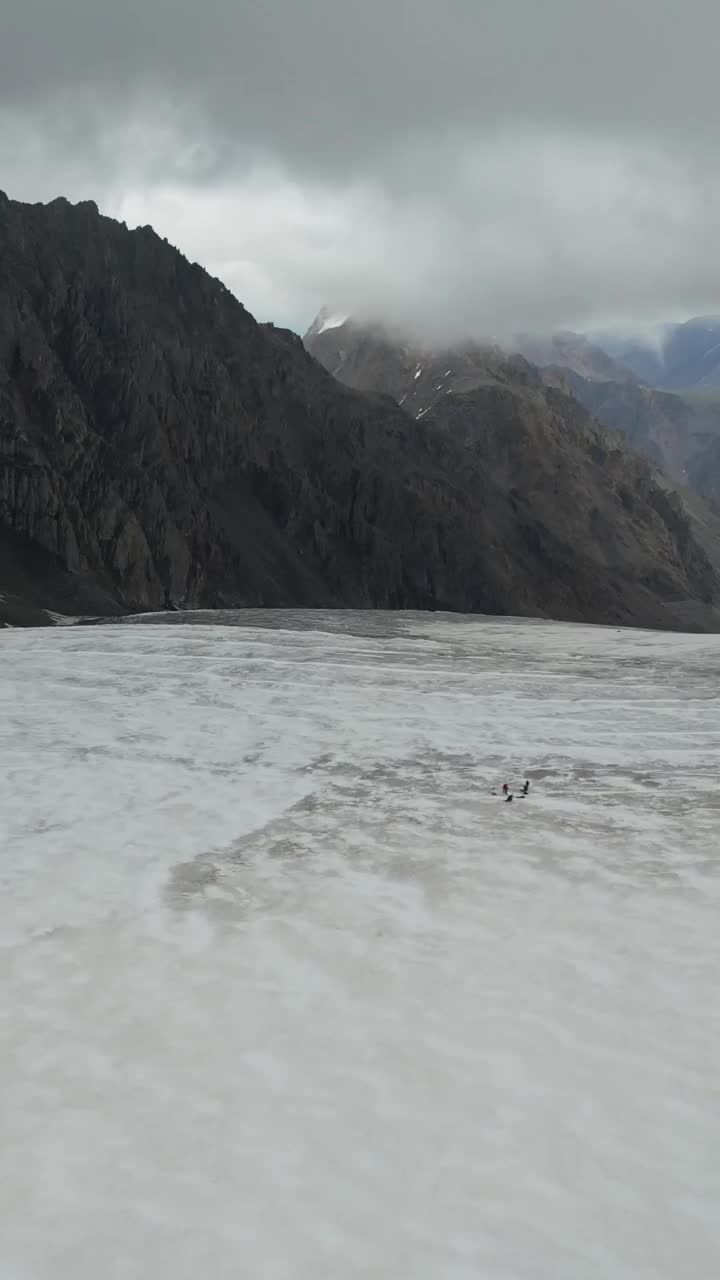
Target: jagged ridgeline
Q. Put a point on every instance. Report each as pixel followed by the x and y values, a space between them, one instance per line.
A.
pixel 159 448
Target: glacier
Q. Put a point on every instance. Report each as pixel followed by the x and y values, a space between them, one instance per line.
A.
pixel 288 993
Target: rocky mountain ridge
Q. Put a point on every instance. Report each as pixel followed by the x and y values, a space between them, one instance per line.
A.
pixel 525 428
pixel 678 432
pixel 159 448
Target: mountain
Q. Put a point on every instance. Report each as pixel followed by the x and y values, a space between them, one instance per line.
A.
pixel 368 357
pixel 160 449
pixel 679 433
pixel 574 351
pixel 573 493
pixel 681 357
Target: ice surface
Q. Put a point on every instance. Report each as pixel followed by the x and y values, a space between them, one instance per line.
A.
pixel 288 994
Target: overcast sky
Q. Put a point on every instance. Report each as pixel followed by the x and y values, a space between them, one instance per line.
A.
pixel 462 165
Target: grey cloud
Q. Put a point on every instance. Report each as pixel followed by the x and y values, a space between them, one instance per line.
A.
pixel 525 163
pixel 332 82
pixel 542 236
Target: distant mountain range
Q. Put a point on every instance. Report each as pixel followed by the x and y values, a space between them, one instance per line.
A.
pixel 676 357
pixel 565 479
pixel 160 449
pixel 679 431
pixel 574 351
pixel 681 357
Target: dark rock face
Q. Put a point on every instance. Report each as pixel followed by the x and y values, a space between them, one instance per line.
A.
pixel 167 450
pixel 158 448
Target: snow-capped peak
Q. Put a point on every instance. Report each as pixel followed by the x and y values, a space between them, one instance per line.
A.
pixel 327 319
pixel 333 322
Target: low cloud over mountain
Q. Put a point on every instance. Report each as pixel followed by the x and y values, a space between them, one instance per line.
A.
pixel 472 167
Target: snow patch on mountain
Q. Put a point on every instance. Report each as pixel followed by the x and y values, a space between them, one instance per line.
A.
pixel 333 322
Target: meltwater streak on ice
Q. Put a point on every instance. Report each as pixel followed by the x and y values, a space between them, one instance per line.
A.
pixel 287 994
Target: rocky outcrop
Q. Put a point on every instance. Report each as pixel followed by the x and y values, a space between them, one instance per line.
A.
pixel 158 448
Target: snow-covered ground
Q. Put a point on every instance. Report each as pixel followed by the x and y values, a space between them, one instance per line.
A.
pixel 288 995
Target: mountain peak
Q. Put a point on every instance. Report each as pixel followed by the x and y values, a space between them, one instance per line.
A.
pixel 327 318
